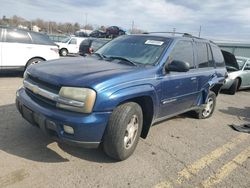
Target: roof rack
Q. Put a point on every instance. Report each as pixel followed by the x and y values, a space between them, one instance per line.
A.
pixel 175 33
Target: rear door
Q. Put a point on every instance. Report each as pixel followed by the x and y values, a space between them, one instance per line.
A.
pixel 16 48
pixel 206 68
pixel 179 89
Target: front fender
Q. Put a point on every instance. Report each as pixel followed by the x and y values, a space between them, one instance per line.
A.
pixel 108 101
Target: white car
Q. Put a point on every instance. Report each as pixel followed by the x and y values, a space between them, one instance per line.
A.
pixel 20 48
pixel 70 45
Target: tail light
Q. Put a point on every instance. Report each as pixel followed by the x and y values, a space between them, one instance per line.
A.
pixel 91 50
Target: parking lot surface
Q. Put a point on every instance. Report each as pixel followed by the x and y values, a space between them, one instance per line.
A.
pixel 180 152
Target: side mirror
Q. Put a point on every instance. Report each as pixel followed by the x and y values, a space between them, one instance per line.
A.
pixel 177 66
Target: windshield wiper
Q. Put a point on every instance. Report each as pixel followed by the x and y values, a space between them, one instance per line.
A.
pixel 123 59
pixel 100 55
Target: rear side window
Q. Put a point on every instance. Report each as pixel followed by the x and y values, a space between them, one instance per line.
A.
pixel 38 38
pixel 218 57
pixel 210 57
pixel 19 36
pixel 183 51
pixel 202 55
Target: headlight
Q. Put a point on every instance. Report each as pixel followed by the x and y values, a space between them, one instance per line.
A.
pixel 25 74
pixel 77 99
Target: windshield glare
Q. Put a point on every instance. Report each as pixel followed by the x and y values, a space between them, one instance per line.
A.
pixel 241 62
pixel 65 40
pixel 139 49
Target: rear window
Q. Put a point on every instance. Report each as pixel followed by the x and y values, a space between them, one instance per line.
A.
pixel 17 36
pixel 218 57
pixel 38 38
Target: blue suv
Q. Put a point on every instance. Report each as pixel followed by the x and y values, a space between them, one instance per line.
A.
pixel 114 95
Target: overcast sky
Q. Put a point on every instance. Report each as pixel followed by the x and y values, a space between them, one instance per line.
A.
pixel 225 20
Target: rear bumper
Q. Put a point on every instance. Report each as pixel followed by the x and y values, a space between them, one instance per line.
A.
pixel 88 128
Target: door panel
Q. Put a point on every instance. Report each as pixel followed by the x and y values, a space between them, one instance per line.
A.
pixel 179 89
pixel 179 92
pixel 246 75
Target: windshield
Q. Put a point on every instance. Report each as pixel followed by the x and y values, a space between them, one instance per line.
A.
pixel 65 40
pixel 138 49
pixel 241 62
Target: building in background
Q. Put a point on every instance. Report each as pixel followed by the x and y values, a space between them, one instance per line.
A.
pixel 238 49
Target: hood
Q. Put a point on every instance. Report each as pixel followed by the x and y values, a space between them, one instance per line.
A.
pixel 230 61
pixel 78 71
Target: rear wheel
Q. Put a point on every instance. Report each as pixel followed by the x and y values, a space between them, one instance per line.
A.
pixel 234 87
pixel 64 52
pixel 34 61
pixel 208 108
pixel 123 131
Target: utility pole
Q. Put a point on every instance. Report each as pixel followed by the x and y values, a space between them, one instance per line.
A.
pixel 86 20
pixel 174 30
pixel 200 31
pixel 132 27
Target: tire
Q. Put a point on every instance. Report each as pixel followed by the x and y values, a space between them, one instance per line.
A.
pixel 209 107
pixel 118 142
pixel 63 52
pixel 33 61
pixel 234 87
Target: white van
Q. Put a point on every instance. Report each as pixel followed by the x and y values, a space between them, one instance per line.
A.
pixel 20 48
pixel 70 45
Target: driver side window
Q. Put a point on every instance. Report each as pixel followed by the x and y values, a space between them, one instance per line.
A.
pixel 183 51
pixel 247 67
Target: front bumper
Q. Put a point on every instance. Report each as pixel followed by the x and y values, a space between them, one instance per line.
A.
pixel 88 128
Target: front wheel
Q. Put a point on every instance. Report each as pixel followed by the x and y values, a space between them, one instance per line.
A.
pixel 234 87
pixel 123 131
pixel 208 108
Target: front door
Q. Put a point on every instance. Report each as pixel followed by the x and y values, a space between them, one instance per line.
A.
pixel 72 46
pixel 246 75
pixel 179 89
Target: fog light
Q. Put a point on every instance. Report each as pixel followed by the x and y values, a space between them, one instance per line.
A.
pixel 68 129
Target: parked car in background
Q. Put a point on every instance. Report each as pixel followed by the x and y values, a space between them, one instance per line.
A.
pixel 70 45
pixel 238 76
pixel 90 45
pixel 57 38
pixel 98 34
pixel 116 94
pixel 21 48
pixel 114 31
pixel 81 34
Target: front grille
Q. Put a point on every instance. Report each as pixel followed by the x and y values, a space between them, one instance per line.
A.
pixel 43 84
pixel 40 99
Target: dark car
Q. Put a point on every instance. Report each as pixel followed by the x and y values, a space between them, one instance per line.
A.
pixel 114 31
pixel 98 34
pixel 115 95
pixel 90 45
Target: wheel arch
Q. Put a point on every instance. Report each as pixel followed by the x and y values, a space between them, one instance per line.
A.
pixel 147 106
pixel 38 57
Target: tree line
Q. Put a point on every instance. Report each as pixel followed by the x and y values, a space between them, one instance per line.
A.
pixel 51 27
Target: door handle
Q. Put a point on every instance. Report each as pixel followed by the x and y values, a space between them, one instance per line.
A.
pixel 193 78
